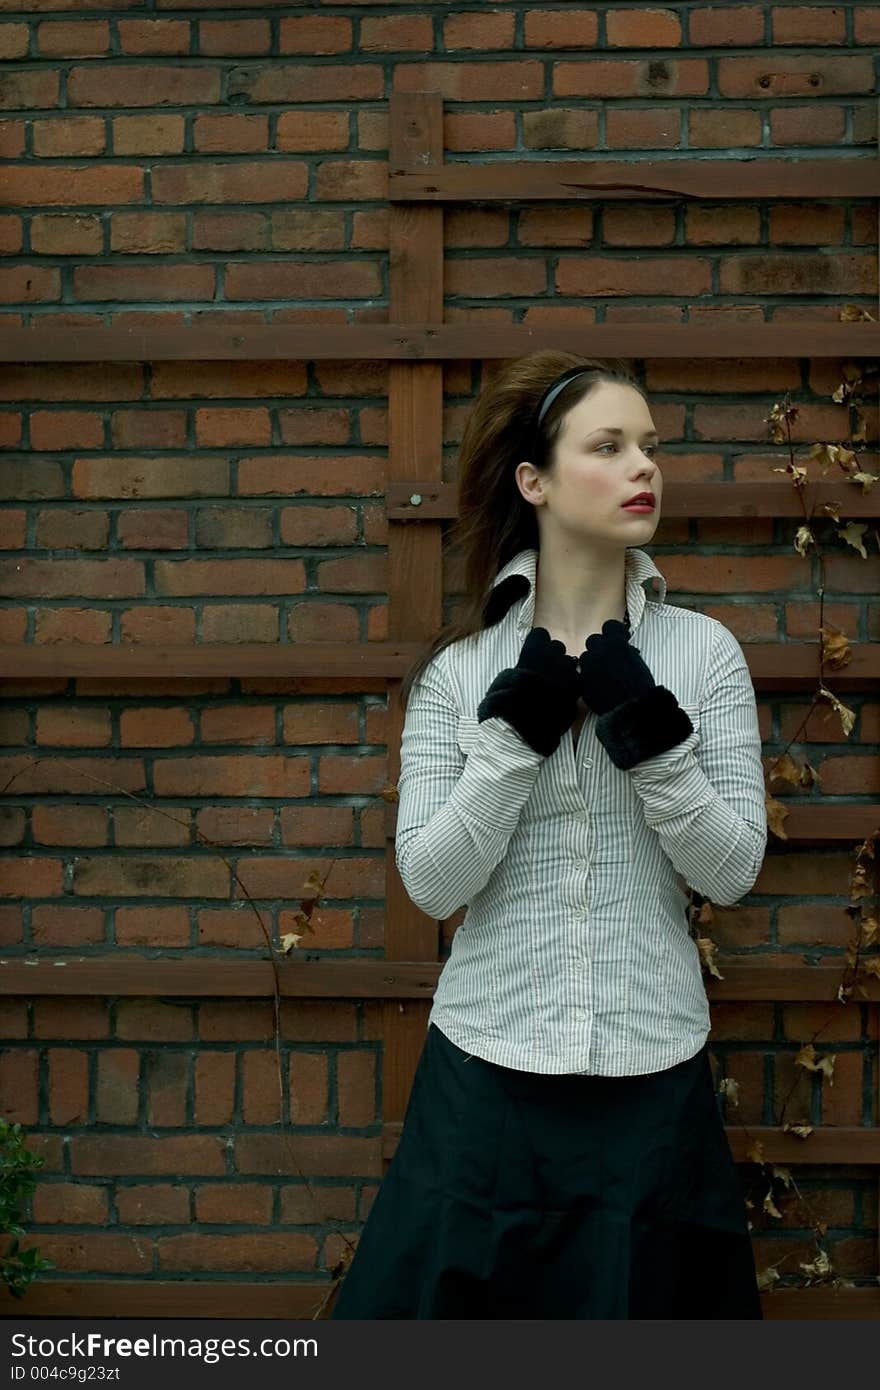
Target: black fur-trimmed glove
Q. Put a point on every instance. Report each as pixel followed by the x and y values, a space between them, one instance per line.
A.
pixel 538 695
pixel 637 717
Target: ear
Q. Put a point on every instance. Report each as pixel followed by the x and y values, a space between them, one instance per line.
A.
pixel 528 483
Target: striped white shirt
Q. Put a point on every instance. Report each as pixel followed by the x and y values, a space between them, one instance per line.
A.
pixel 575 954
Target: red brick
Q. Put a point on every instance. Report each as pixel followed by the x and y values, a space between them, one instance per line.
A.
pixel 72 824
pixel 152 1020
pixel 234 37
pixel 159 132
pixel 166 1079
pixel 214 1087
pixel 356 1082
pixel 117 1095
pixel 66 136
pixel 63 1203
pixel 308 1087
pixel 643 28
pixel 155 234
pixel 234 1203
pixel 219 426
pixel 104 1253
pixel 14 41
pixel 71 39
pixel 275 1252
pixel 261 1088
pixel 74 1019
pixel 152 1204
pixel 319 34
pixel 18 1086
pixel 66 185
pixel 147 1155
pixel 153 36
pixel 229 134
pixel 303 1205
pixel 118 84
pixel 331 1155
pixel 774 75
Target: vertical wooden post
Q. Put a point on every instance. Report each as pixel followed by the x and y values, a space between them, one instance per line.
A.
pixel 415 410
pixel 873 1009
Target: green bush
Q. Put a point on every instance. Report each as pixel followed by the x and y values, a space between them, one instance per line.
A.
pixel 17 1166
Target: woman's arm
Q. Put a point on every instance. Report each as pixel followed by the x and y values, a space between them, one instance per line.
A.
pixel 710 815
pixel 455 815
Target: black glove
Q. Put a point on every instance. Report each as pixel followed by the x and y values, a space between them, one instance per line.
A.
pixel 538 695
pixel 637 717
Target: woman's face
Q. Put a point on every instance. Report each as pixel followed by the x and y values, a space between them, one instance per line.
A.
pixel 605 453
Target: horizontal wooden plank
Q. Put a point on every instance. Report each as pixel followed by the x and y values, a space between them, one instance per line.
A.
pixel 187 1297
pixel 826 1145
pixel 778 666
pixel 210 661
pixel 721 341
pixel 568 180
pixel 201 977
pixel 221 1298
pixel 415 500
pixel 821 1303
pixel 782 978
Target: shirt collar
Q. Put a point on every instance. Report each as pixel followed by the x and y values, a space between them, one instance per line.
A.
pixel 522 568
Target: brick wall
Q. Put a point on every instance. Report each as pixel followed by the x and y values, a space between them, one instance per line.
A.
pixel 188 168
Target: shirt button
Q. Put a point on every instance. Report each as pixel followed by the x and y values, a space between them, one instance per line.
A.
pixel 588 762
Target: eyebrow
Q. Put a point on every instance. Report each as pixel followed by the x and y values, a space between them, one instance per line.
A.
pixel 612 429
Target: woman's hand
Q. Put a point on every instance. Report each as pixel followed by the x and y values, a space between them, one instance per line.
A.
pixel 611 669
pixel 538 695
pixel 637 717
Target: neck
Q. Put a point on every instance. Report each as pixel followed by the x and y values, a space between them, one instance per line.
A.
pixel 576 591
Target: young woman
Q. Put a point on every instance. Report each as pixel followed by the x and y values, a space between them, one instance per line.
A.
pixel 575 753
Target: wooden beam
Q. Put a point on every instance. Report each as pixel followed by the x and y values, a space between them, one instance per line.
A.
pixel 425 341
pixel 572 181
pixel 376 661
pixel 203 977
pixel 412 500
pixel 784 978
pixel 774 666
pixel 269 1298
pixel 415 572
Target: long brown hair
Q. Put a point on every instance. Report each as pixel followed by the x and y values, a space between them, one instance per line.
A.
pixel 494 520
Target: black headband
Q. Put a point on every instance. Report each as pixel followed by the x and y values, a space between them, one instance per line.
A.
pixel 549 397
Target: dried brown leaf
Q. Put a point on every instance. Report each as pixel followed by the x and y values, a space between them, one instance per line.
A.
pixel 852 533
pixel 808 1058
pixel 708 952
pixel 777 814
pixel 798 1127
pixel 770 1206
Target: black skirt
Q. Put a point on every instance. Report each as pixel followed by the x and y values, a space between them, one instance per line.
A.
pixel 516 1194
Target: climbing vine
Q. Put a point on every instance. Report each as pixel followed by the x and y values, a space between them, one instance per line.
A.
pixel 796 773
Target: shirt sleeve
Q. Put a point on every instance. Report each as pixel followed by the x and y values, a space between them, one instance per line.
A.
pixel 455 814
pixel 705 797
